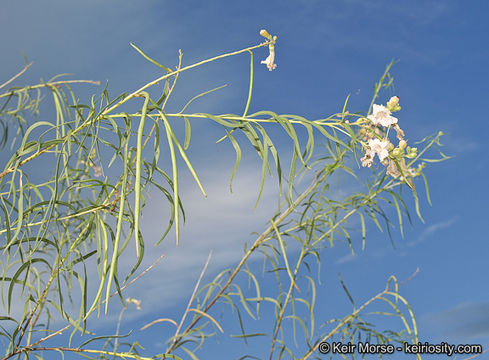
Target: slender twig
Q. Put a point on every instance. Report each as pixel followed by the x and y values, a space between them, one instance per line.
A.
pixel 116 341
pixel 49 84
pixel 191 300
pixel 167 96
pixel 330 121
pixel 412 276
pixel 17 75
pixel 158 321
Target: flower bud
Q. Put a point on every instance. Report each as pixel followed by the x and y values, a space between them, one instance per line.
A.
pixel 412 152
pixel 402 144
pixel 396 152
pixel 393 104
pixel 265 34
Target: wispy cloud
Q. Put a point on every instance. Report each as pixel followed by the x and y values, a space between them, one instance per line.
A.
pixel 460 145
pixel 347 258
pixel 464 322
pixel 432 229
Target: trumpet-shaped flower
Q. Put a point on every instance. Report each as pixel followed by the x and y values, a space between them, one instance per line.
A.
pixel 269 61
pixel 376 146
pixel 381 148
pixel 382 116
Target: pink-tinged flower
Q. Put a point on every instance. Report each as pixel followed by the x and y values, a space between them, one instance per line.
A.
pixel 382 116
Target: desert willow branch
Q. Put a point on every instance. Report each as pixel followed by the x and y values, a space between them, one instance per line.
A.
pixel 329 121
pixel 262 238
pixel 107 111
pixel 156 81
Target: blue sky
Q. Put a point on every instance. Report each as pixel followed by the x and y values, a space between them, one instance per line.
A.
pixel 326 50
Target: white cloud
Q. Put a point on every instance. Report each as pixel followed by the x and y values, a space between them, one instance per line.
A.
pixel 464 322
pixel 347 258
pixel 432 229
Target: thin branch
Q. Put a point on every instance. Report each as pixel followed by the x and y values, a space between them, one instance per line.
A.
pixel 158 321
pixel 116 341
pixel 412 276
pixel 167 96
pixel 330 121
pixel 191 300
pixel 50 84
pixel 17 75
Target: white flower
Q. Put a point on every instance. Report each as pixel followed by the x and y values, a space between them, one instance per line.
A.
pixel 135 302
pixel 368 159
pixel 97 170
pixel 382 116
pixel 381 148
pixel 269 61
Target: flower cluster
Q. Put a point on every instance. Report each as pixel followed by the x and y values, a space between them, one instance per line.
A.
pixel 393 158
